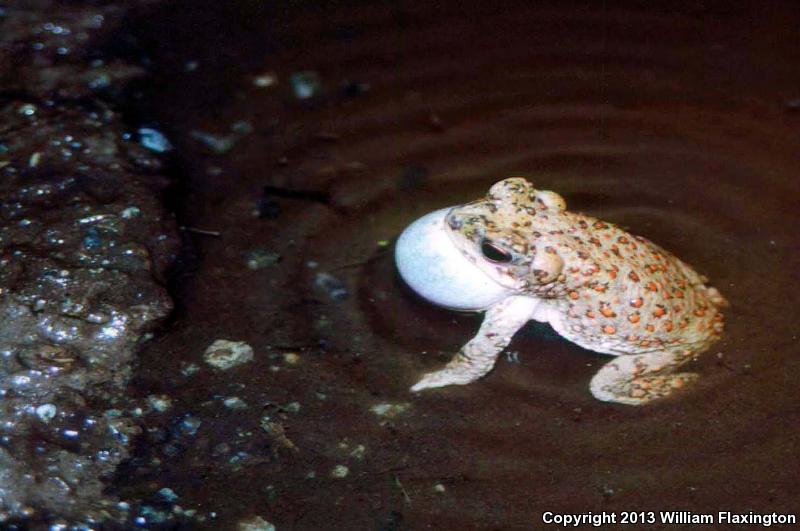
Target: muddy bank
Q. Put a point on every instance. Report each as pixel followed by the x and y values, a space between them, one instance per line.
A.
pixel 86 243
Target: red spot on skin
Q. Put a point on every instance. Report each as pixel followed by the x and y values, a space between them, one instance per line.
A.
pixel 637 303
pixel 700 312
pixel 659 311
pixel 612 274
pixel 600 288
pixel 607 311
pixel 652 286
pixel 634 317
pixel 608 329
pixel 668 326
pixel 679 294
pixel 623 240
pixel 590 314
pixel 633 276
pixel 650 328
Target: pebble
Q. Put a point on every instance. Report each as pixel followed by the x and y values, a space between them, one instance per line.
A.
pixel 223 354
pixel 268 79
pixel 260 258
pixel 291 358
pixel 234 402
pixel 154 140
pixel 388 410
pixel 46 412
pixel 331 285
pixel 255 523
pixel 159 403
pixel 306 84
pixel 340 472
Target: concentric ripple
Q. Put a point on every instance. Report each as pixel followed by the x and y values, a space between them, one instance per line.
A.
pixel 670 124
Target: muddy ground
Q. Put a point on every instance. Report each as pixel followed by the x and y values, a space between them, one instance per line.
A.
pixel 304 138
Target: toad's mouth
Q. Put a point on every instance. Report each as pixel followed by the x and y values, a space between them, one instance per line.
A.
pixel 432 265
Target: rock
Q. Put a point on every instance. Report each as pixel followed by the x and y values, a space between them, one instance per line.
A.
pixel 223 354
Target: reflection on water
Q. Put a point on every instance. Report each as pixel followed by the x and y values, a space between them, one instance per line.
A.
pixel 671 124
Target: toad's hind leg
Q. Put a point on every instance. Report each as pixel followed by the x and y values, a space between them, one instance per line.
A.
pixel 637 379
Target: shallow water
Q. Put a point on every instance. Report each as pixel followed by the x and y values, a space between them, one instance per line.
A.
pixel 675 125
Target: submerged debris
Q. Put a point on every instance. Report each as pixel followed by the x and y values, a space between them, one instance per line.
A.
pixel 388 410
pixel 223 354
pixel 332 286
pixel 260 258
pixel 340 472
pixel 306 85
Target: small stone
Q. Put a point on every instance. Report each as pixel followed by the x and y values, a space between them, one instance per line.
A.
pixel 190 424
pixel 218 144
pixel 340 472
pixel 168 494
pixel 292 407
pixel 255 523
pixel 234 402
pixel 388 410
pixel 265 80
pixel 306 85
pixel 159 403
pixel 439 488
pixel 331 285
pixel 291 358
pixel 46 412
pixel 188 369
pixel 242 127
pixel 359 452
pixel 131 212
pixel 260 258
pixel 154 140
pixel 223 354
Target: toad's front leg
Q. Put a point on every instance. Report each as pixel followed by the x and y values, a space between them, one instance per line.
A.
pixel 477 357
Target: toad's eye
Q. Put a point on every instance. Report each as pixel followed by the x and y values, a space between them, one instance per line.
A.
pixel 493 253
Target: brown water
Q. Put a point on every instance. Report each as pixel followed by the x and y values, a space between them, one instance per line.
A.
pixel 678 125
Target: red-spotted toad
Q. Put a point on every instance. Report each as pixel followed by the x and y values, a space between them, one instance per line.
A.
pixel 518 254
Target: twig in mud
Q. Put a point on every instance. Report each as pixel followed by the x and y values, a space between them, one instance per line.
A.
pixel 403 490
pixel 203 232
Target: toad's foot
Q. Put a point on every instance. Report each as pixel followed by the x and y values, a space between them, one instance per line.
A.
pixel 478 356
pixel 460 371
pixel 641 378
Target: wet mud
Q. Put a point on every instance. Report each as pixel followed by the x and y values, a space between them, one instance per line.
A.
pixel 308 137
